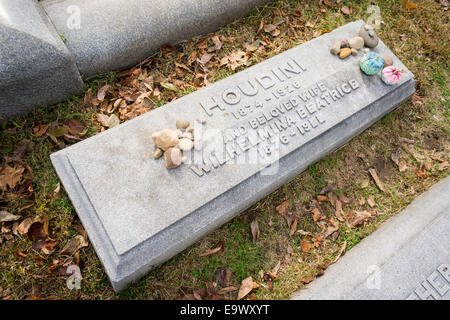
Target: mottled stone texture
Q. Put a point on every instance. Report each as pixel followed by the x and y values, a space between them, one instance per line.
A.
pixel 36 69
pixel 408 257
pixel 138 214
pixel 117 34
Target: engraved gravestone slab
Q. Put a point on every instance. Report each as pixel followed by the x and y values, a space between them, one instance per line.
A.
pixel 263 126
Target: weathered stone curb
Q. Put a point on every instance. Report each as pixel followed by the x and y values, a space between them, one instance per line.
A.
pixel 408 257
pixel 37 68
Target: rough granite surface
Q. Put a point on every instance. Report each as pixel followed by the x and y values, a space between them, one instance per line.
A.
pixel 36 69
pixel 113 35
pixel 138 214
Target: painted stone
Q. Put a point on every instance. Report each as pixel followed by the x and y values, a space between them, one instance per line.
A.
pixel 371 63
pixel 391 75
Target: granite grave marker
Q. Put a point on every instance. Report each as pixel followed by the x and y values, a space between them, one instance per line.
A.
pixel 263 126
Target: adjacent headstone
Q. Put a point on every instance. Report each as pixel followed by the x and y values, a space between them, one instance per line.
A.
pixel 36 69
pixel 263 126
pixel 407 258
pixel 105 35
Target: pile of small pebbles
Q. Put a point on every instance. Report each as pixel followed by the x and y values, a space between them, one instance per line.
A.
pixel 172 142
pixel 344 47
pixel 366 39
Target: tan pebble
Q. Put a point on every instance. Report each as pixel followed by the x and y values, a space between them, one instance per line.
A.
pixel 158 153
pixel 335 47
pixel 182 123
pixel 172 157
pixel 185 144
pixel 183 159
pixel 188 135
pixel 356 43
pixel 190 129
pixel 165 139
pixel 345 52
pixel 354 52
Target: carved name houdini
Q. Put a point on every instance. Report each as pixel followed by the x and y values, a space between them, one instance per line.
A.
pixel 281 108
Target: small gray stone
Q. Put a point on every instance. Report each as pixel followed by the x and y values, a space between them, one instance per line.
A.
pixel 201 120
pixel 368 34
pixel 165 139
pixel 388 61
pixel 185 144
pixel 182 123
pixel 345 43
pixel 172 158
pixel 335 47
pixel 356 43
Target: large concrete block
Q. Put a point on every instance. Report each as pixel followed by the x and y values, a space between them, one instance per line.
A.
pixel 408 257
pixel 36 69
pixel 105 35
pixel 264 125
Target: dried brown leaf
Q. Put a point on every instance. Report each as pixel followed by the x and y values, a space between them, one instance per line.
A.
pixel 377 180
pixel 246 288
pixel 254 227
pixel 281 209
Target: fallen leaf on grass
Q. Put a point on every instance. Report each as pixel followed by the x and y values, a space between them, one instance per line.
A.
pixel 409 4
pixel 223 277
pixel 322 198
pixel 40 129
pixel 402 166
pixel 307 279
pixel 332 228
pixel 305 246
pixel 24 226
pixel 73 245
pixel 371 201
pixel 5 216
pixel 235 60
pixel 406 140
pixel 442 165
pixel 364 183
pixel 212 251
pixel 269 28
pixel 346 10
pixel 343 247
pixel 421 174
pixel 246 288
pixel 102 92
pixel 226 290
pixel 317 215
pixel 293 226
pixel 10 176
pixel 377 180
pixel 254 227
pixel 281 209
